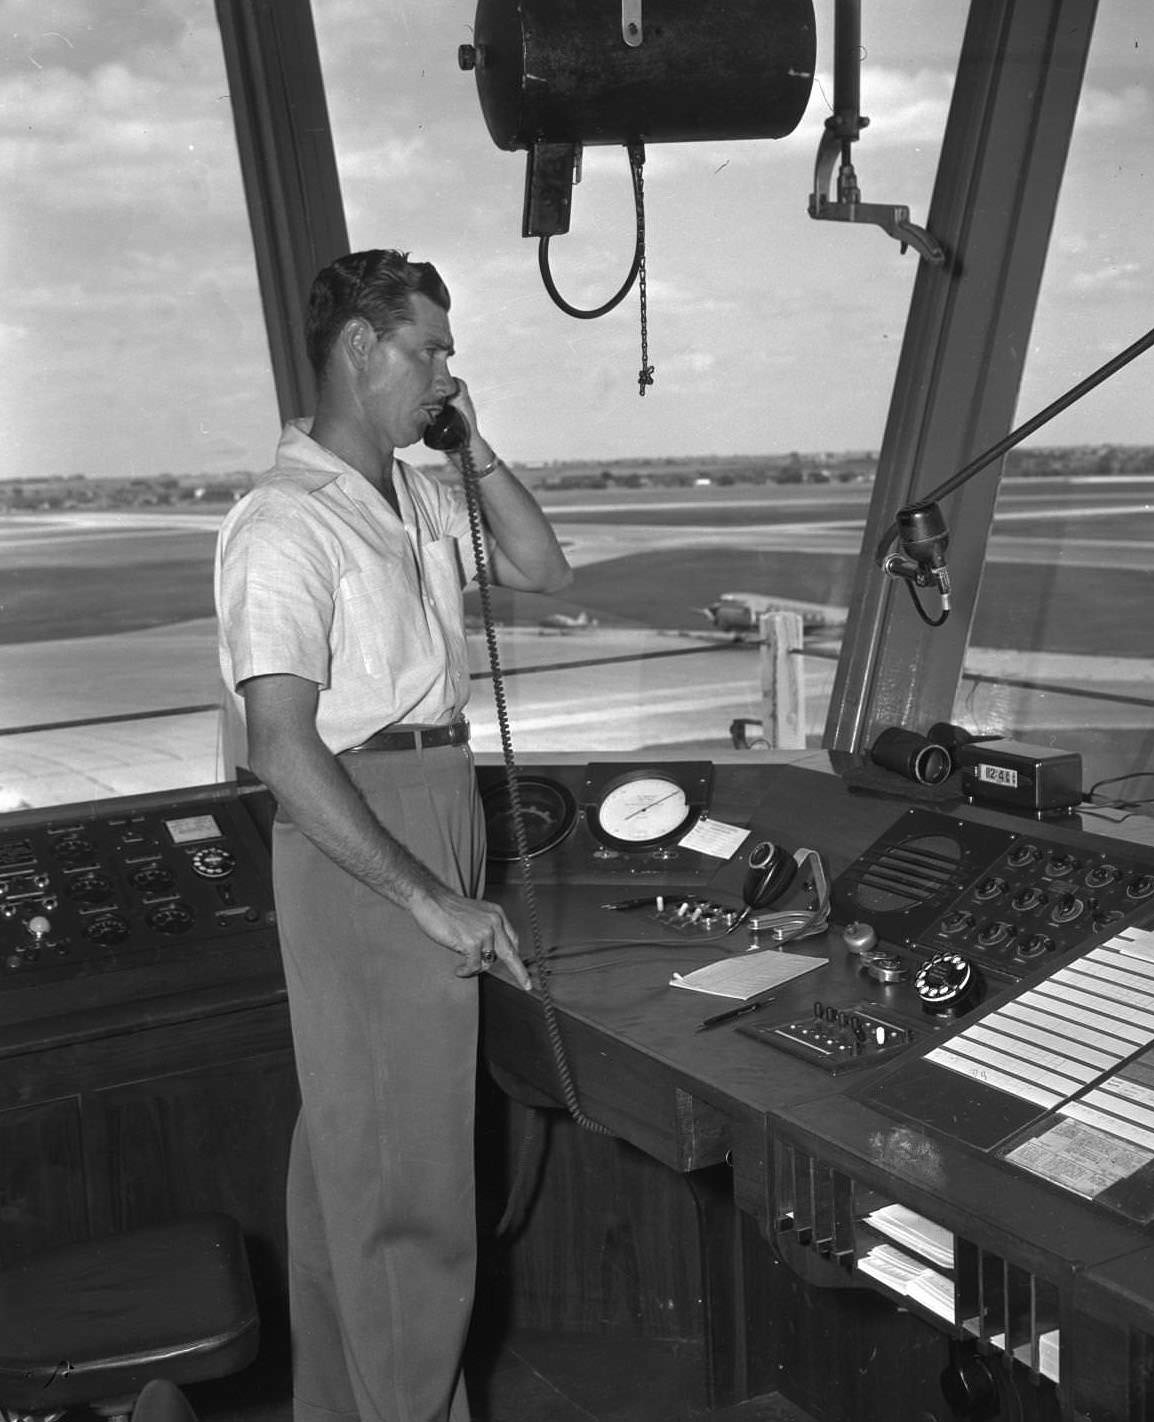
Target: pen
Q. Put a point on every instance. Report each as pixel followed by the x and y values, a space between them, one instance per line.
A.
pixel 728 1016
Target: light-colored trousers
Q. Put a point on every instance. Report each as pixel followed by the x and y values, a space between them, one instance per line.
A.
pixel 381 1208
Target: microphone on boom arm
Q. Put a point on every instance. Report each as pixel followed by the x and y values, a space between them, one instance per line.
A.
pixel 920 528
pixel 924 538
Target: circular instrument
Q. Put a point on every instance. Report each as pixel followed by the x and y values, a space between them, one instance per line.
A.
pixel 213 862
pixel 548 812
pixel 641 810
pixel 946 982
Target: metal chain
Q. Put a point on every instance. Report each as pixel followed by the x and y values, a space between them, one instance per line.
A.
pixel 637 160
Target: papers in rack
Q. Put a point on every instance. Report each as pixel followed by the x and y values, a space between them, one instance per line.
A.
pixel 911 1278
pixel 746 976
pixel 933 1241
pixel 915 1278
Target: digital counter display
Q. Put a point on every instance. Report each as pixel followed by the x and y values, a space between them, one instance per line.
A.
pixel 998 775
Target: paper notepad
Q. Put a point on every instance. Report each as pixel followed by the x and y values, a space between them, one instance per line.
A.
pixel 746 976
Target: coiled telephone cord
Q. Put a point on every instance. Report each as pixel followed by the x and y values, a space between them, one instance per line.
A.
pixel 537 962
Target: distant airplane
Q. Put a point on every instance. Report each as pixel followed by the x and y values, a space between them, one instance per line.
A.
pixel 562 622
pixel 738 612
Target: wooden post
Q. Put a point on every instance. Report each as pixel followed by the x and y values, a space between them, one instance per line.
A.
pixel 782 680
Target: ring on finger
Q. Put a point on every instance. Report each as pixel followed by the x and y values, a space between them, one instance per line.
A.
pixel 488 957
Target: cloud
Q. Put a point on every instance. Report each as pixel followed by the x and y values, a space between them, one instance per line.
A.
pixel 34 29
pixel 115 138
pixel 692 363
pixel 1102 109
pixel 389 161
pixel 1117 277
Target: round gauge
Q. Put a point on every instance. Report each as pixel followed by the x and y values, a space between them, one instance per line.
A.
pixel 642 809
pixel 174 917
pixel 90 889
pixel 74 846
pixel 547 815
pixel 151 878
pixel 109 928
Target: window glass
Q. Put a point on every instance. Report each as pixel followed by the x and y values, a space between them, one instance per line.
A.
pixel 745 468
pixel 135 389
pixel 1059 652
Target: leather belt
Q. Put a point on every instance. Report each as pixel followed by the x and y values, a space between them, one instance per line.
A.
pixel 407 738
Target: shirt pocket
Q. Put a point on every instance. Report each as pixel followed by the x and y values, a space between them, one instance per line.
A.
pixel 403 618
pixel 441 569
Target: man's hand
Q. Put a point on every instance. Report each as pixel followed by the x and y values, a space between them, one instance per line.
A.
pixel 474 928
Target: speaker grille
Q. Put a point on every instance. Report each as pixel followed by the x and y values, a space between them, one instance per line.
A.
pixel 898 877
pixel 906 878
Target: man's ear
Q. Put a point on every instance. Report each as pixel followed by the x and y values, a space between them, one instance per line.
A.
pixel 356 341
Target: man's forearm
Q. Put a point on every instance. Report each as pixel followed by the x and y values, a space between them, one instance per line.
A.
pixel 519 528
pixel 314 792
pixel 523 533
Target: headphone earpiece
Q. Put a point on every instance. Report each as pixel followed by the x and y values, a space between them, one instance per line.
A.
pixel 771 872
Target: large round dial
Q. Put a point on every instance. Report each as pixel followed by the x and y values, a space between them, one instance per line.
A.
pixel 643 809
pixel 547 809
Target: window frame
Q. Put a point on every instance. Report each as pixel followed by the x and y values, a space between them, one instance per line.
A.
pixel 966 338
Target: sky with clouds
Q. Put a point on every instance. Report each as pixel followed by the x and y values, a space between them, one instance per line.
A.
pixel 131 339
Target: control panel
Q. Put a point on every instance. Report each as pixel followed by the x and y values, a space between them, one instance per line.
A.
pixel 838 1038
pixel 85 890
pixel 941 915
pixel 1010 903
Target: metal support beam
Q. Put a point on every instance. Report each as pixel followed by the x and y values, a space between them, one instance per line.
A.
pixel 289 171
pixel 965 345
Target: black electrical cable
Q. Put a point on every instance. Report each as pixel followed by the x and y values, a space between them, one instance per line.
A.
pixel 995 451
pixel 636 159
pixel 920 610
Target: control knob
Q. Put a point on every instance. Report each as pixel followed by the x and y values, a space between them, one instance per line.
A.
pixel 1068 908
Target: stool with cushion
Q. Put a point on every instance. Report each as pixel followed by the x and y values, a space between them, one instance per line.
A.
pixel 90 1324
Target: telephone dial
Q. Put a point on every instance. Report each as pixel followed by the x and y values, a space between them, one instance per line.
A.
pixel 449 431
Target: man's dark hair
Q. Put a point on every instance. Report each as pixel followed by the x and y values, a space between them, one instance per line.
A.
pixel 377 285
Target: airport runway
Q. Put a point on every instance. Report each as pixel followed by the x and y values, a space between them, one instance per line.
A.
pixel 611 688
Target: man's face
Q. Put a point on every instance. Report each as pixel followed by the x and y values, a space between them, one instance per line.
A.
pixel 407 377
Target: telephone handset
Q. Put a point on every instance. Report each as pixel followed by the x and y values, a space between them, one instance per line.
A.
pixel 449 432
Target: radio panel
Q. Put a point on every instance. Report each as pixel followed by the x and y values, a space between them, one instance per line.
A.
pixel 87 891
pixel 1013 903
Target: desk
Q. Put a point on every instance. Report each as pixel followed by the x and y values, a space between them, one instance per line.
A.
pixel 800 1155
pixel 152 1075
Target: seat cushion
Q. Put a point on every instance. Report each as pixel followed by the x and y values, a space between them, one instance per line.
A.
pixel 97 1320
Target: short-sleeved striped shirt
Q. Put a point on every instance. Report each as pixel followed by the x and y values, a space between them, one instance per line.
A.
pixel 317 577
